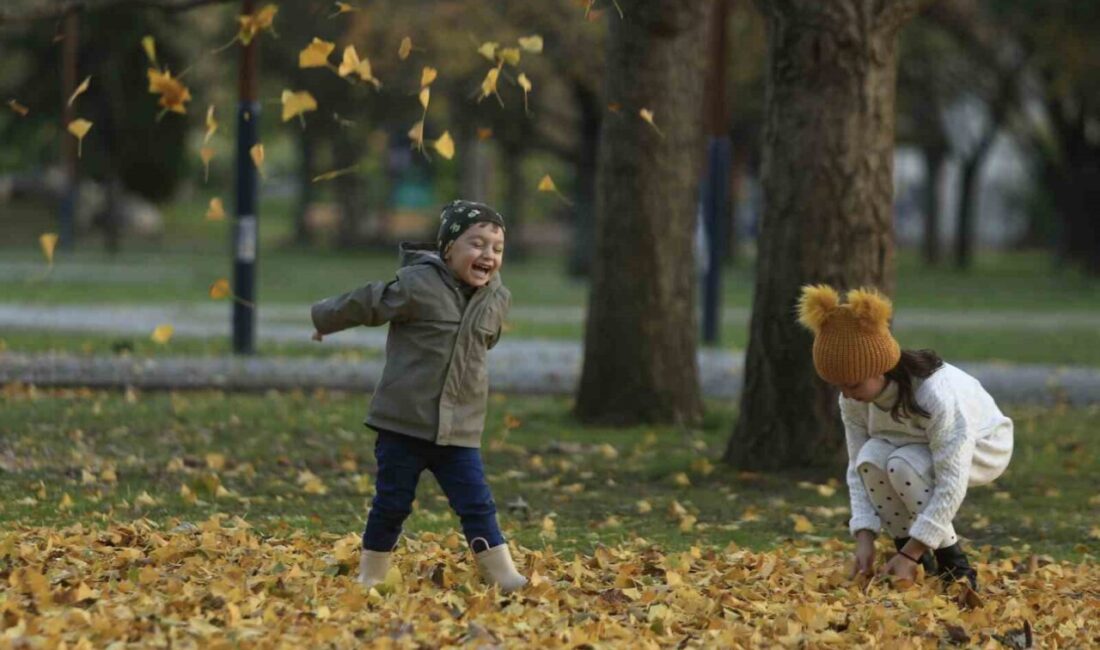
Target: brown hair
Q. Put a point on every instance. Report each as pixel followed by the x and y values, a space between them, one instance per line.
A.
pixel 913 363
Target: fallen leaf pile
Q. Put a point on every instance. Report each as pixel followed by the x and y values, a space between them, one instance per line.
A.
pixel 221 584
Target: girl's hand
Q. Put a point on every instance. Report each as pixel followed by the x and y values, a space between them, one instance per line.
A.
pixel 865 554
pixel 901 568
pixel 317 336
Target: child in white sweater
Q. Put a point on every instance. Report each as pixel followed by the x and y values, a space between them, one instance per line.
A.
pixel 919 433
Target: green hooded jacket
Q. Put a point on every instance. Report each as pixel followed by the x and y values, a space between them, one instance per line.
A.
pixel 435 383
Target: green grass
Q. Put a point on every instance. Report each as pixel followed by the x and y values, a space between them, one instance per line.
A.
pixel 588 481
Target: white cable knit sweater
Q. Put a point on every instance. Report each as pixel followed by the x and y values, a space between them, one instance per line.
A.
pixel 970 440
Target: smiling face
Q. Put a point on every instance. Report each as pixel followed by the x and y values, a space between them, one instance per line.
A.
pixel 864 391
pixel 477 254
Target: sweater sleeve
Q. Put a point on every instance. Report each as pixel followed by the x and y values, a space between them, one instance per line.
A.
pixel 864 516
pixel 952 447
pixel 372 304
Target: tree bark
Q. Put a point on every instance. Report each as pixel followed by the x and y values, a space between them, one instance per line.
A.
pixel 935 158
pixel 587 163
pixel 965 230
pixel 828 185
pixel 302 235
pixel 640 338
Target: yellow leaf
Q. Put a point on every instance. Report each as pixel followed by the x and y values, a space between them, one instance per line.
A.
pixel 297 103
pixel 488 50
pixel 405 49
pixel 445 145
pixel 525 84
pixel 255 23
pixel 647 115
pixel 489 84
pixel 344 8
pixel 427 76
pixel 219 290
pixel 484 133
pixel 48 242
pixel 532 43
pixel 425 95
pixel 315 55
pixel 80 90
pixel 826 490
pixel 510 55
pixel 162 333
pixel 18 108
pixel 66 502
pixel 257 154
pixel 216 211
pixel 187 494
pixel 416 133
pixel 802 524
pixel 328 176
pixel 79 128
pixel 681 479
pixel 643 507
pixel 211 124
pixel 149 44
pixel 546 184
pixel 173 94
pixel 145 499
pixel 353 64
pixel 215 461
pixel 207 154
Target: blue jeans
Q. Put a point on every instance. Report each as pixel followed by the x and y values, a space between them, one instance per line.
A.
pixel 459 472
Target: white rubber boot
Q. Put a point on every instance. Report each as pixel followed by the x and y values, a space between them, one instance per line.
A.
pixel 373 566
pixel 496 567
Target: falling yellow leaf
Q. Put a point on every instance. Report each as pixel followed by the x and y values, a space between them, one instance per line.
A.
pixel 336 173
pixel 532 43
pixel 80 90
pixel 79 128
pixel 445 145
pixel 416 134
pixel 353 64
pixel 216 211
pixel 425 95
pixel 510 55
pixel 257 154
pixel 211 124
pixel 525 84
pixel 315 55
pixel 162 333
pixel 546 184
pixel 647 115
pixel 48 242
pixel 149 44
pixel 405 49
pixel 488 50
pixel 255 23
pixel 173 94
pixel 802 524
pixel 18 108
pixel 484 133
pixel 489 84
pixel 207 154
pixel 343 8
pixel 297 103
pixel 427 76
pixel 220 290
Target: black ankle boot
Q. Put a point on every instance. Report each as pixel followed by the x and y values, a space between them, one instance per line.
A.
pixel 926 560
pixel 952 565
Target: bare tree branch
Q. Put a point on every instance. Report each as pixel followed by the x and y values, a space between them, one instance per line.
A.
pixel 54 10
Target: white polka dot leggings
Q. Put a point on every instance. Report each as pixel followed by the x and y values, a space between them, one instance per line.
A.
pixel 899 482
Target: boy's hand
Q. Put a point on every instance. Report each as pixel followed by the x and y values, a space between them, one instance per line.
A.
pixel 317 336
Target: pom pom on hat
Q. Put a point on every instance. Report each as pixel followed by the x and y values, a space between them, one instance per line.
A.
pixel 852 342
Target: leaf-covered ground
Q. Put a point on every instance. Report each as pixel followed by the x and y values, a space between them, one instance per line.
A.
pixel 199 519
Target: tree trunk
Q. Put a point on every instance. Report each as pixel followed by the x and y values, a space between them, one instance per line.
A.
pixel 514 193
pixel 828 185
pixel 935 158
pixel 640 338
pixel 302 236
pixel 349 190
pixel 584 209
pixel 965 227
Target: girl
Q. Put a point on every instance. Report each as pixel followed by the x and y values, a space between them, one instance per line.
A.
pixel 445 308
pixel 919 432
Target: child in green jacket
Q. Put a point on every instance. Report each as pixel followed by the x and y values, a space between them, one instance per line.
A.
pixel 445 308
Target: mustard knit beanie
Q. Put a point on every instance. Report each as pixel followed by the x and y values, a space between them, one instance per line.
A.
pixel 852 342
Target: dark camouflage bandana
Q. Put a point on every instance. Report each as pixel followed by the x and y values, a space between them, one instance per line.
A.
pixel 459 215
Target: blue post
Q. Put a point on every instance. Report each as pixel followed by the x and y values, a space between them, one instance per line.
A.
pixel 246 221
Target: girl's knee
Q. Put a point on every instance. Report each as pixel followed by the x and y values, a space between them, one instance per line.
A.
pixel 902 475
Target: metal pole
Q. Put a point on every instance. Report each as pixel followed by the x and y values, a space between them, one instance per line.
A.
pixel 246 221
pixel 67 209
pixel 715 190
